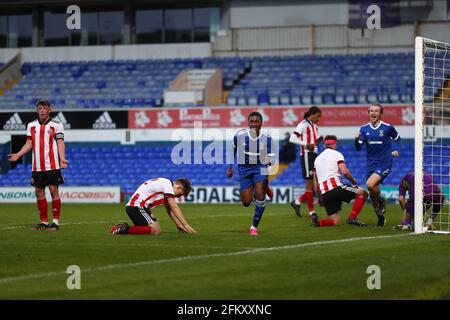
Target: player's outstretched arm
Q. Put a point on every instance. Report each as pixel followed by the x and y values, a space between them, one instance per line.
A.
pixel 13 157
pixel 177 216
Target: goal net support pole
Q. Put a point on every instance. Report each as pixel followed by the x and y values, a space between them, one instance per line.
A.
pixel 432 136
pixel 418 141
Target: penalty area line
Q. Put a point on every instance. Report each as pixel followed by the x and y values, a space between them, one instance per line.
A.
pixel 198 257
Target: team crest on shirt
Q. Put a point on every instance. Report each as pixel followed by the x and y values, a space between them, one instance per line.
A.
pixel 381 133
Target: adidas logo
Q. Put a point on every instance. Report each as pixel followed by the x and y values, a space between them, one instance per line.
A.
pixel 61 118
pixel 14 123
pixel 104 122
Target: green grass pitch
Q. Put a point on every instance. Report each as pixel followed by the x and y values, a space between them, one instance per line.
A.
pixel 288 260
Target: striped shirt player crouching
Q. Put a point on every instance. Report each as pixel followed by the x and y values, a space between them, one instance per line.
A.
pixel 151 194
pixel 45 137
pixel 328 185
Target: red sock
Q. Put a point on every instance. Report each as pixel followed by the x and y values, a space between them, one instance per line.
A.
pixel 310 200
pixel 357 206
pixel 42 207
pixel 56 208
pixel 302 198
pixel 140 230
pixel 327 222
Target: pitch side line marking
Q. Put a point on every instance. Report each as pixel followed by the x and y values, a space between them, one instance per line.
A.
pixel 199 257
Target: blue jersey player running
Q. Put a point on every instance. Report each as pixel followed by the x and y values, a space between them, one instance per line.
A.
pixel 253 149
pixel 378 136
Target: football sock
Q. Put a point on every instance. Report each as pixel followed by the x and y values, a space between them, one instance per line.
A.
pixel 56 210
pixel 357 206
pixel 259 210
pixel 375 202
pixel 310 200
pixel 300 199
pixel 327 222
pixel 432 217
pixel 139 230
pixel 42 207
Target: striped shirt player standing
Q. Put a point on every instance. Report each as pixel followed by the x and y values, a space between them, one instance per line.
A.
pixel 253 149
pixel 330 189
pixel 45 136
pixel 307 136
pixel 378 136
pixel 151 194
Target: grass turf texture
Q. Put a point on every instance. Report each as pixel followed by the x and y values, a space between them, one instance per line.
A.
pixel 222 261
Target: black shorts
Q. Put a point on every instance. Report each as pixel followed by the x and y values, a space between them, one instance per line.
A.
pixel 332 200
pixel 307 164
pixel 41 179
pixel 140 216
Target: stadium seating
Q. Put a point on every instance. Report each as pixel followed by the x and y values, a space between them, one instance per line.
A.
pixel 328 79
pixel 129 166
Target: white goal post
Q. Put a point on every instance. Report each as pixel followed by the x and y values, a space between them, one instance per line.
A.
pixel 432 133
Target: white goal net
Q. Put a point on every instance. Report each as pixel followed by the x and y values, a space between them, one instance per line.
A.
pixel 432 142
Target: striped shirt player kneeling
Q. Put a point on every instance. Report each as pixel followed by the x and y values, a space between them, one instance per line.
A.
pixel 45 136
pixel 150 194
pixel 328 185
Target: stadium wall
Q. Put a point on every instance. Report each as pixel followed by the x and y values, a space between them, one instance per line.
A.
pixel 325 39
pixel 282 13
pixel 117 52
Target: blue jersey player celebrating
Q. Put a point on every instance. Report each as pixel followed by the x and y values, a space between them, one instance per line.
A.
pixel 253 149
pixel 378 136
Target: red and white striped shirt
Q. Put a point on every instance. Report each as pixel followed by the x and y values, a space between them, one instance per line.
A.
pixel 327 169
pixel 308 132
pixel 45 149
pixel 152 193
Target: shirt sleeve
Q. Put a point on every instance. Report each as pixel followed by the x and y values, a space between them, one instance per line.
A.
pixel 339 157
pixel 29 131
pixel 269 144
pixel 298 130
pixel 359 141
pixel 168 189
pixel 394 134
pixel 299 136
pixel 59 131
pixel 234 146
pixel 362 136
